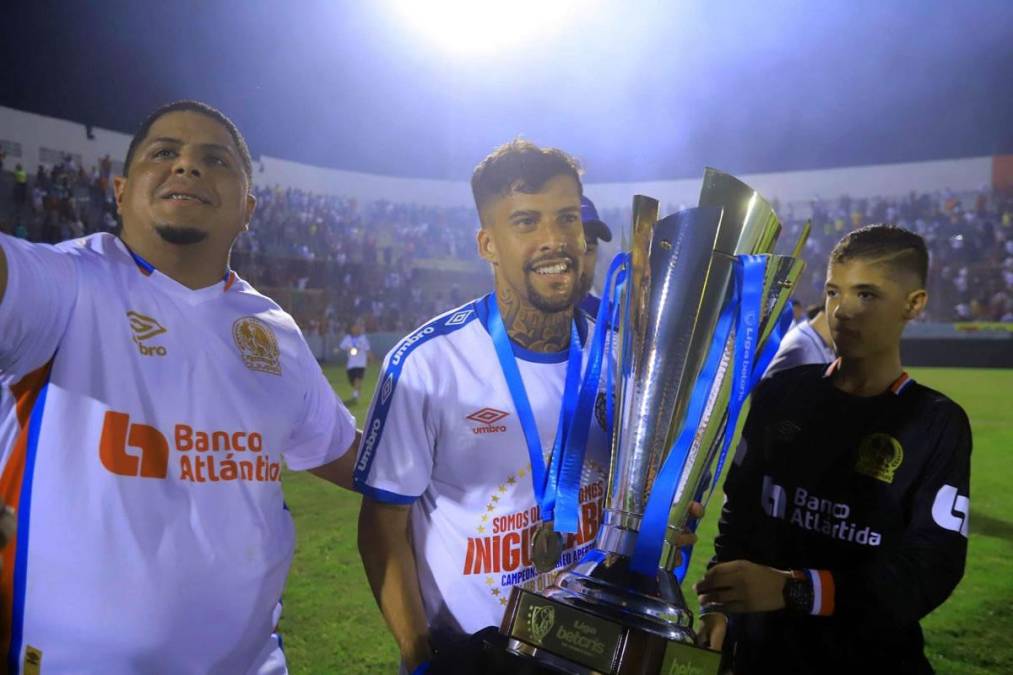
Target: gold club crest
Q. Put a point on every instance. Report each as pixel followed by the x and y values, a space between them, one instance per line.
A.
pixel 257 344
pixel 879 455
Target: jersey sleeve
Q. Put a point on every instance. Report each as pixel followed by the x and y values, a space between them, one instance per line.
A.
pixel 792 353
pixel 326 428
pixel 346 342
pixel 42 285
pixel 908 580
pixel 395 460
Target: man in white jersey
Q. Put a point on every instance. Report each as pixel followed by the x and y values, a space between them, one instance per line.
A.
pixel 449 507
pixel 809 341
pixel 153 396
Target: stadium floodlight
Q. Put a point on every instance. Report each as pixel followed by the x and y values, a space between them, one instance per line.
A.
pixel 487 26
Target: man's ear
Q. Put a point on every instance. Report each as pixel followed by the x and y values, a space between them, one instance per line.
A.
pixel 119 189
pixel 486 246
pixel 251 207
pixel 916 301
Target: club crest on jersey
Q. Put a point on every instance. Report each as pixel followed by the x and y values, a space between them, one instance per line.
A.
pixel 487 418
pixel 257 345
pixel 144 328
pixel 879 455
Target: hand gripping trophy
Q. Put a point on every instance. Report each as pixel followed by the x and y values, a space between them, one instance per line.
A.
pixel 700 306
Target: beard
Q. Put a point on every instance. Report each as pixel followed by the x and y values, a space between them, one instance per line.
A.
pixel 547 304
pixel 180 234
pixel 552 305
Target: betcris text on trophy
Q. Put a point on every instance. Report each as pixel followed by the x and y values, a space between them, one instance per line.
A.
pixel 696 308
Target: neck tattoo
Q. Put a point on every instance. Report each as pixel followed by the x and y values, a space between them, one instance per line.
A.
pixel 532 328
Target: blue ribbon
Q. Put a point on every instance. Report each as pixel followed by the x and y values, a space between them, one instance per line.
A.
pixel 747 334
pixel 621 265
pixel 747 294
pixel 568 502
pixel 543 481
pixel 762 362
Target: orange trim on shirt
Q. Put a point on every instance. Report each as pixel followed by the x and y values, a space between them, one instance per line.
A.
pixel 826 592
pixel 25 392
pixel 228 282
pixel 899 383
pixel 832 368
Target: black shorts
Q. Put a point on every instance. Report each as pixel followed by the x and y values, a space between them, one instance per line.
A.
pixel 355 374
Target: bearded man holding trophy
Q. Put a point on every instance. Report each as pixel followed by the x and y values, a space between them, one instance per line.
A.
pixel 699 308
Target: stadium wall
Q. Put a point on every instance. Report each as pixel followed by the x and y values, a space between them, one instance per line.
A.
pixel 33 139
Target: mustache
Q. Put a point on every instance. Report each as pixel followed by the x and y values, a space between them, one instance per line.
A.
pixel 571 260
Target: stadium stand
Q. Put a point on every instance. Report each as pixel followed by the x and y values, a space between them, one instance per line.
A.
pixel 328 259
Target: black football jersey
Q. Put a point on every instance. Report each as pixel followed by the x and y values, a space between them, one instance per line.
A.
pixel 873 491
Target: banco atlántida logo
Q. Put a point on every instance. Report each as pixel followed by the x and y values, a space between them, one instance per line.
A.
pixel 140 450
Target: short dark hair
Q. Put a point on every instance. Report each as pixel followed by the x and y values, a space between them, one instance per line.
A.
pixel 520 166
pixel 812 311
pixel 888 243
pixel 202 109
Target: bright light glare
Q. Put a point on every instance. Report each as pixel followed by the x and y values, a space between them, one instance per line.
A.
pixel 471 26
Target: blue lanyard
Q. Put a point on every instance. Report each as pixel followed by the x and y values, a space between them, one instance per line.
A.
pixel 568 508
pixel 619 266
pixel 544 481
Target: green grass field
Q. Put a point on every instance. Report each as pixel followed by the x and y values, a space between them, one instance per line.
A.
pixel 331 624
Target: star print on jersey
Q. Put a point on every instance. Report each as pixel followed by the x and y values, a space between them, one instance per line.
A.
pixel 501 547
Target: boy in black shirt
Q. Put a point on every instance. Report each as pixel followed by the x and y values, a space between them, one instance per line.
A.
pixel 846 510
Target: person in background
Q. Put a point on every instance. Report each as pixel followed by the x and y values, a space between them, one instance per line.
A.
pixel 595 230
pixel 20 187
pixel 808 342
pixel 797 312
pixel 356 345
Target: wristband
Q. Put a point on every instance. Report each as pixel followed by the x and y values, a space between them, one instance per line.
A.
pixel 798 593
pixel 823 592
pixel 809 591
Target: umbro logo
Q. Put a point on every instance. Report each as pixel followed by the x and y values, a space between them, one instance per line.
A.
pixel 145 328
pixel 459 318
pixel 487 418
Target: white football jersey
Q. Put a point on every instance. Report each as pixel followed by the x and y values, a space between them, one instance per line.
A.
pixel 142 426
pixel 443 435
pixel 800 346
pixel 357 347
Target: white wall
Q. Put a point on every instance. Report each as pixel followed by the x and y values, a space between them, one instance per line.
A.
pixel 35 131
pixel 885 180
pixel 363 186
pixel 960 175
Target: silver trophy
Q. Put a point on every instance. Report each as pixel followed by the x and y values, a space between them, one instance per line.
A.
pixel 601 615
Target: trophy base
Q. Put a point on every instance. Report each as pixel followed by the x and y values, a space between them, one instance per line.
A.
pixel 561 637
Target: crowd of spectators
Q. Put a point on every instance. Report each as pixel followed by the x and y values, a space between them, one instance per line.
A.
pixel 331 260
pixel 969 239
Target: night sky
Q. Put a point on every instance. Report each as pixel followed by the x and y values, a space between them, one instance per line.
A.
pixel 643 89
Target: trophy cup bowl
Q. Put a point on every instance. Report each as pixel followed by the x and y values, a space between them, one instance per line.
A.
pixel 602 615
